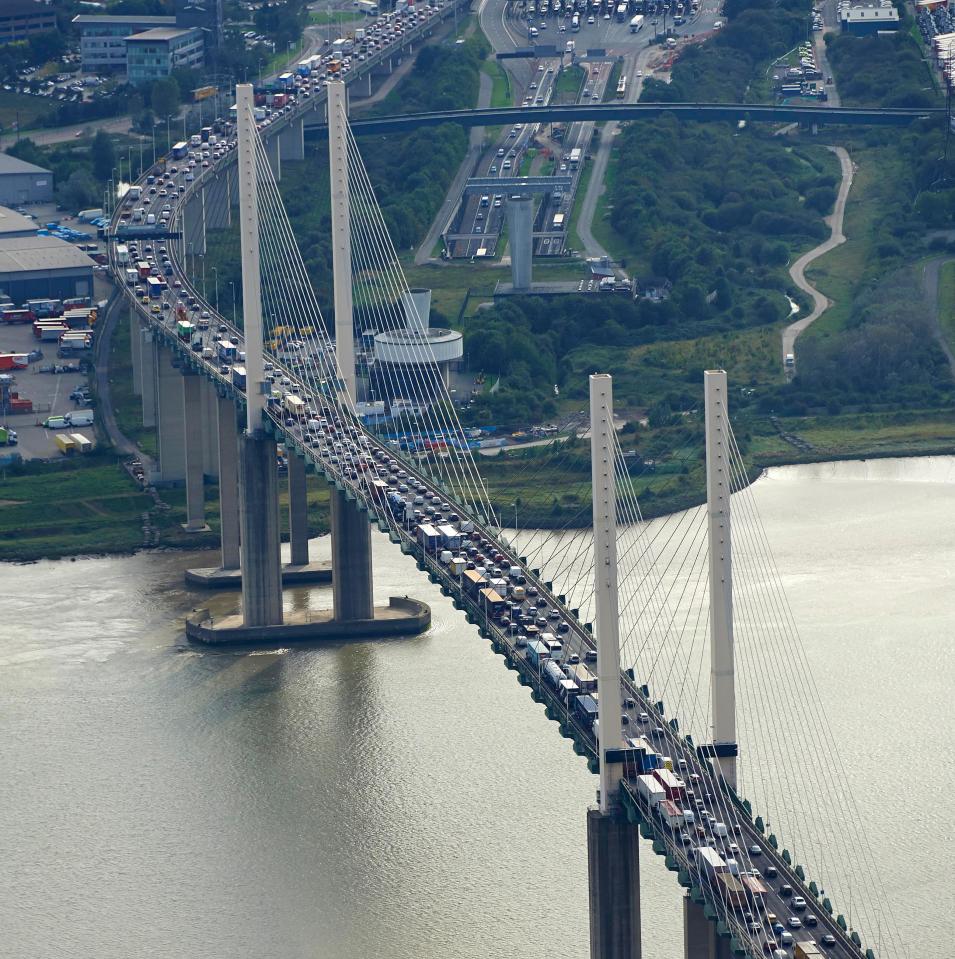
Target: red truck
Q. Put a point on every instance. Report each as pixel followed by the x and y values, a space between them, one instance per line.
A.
pixel 18 316
pixel 13 361
pixel 673 786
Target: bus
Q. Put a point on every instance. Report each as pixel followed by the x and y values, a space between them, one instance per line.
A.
pixel 154 286
pixel 179 150
pixel 622 88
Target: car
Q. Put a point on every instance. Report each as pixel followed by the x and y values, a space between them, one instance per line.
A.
pixel 755 850
pixel 785 890
pixel 771 872
pixel 770 946
pixel 810 920
pixel 156 308
pixel 828 939
pixel 795 922
pixel 799 903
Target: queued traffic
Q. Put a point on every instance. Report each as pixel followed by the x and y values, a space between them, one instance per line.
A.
pixel 676 788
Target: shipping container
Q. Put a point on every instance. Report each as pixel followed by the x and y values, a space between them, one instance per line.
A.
pixel 474 582
pixel 429 537
pixel 450 537
pixel 710 861
pixel 671 814
pixel 582 676
pixel 537 654
pixel 83 444
pixel 807 950
pixel 650 789
pixel 674 787
pixel 64 444
pixel 731 890
pixel 585 708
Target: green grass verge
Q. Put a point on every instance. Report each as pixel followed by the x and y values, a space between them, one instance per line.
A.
pixel 501 85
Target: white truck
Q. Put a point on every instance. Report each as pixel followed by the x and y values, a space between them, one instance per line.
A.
pixel 636 24
pixel 651 790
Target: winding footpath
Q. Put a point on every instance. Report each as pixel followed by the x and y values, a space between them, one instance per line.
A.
pixel 798 270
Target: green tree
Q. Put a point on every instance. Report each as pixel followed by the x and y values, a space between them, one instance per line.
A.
pixel 165 97
pixel 103 155
pixel 80 190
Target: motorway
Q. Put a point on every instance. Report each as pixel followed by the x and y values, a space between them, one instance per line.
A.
pixel 348 455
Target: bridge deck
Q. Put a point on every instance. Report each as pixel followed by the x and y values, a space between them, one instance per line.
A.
pixel 574 636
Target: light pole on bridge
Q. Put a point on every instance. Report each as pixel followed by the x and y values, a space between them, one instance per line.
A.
pixel 232 284
pixel 215 270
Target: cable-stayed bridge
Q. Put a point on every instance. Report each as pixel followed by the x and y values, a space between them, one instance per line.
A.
pixel 665 651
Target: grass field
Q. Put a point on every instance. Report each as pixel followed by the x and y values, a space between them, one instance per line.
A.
pixel 15 107
pixel 569 84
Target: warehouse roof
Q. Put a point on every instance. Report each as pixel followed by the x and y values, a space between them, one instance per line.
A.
pixel 9 164
pixel 860 14
pixel 39 253
pixel 13 222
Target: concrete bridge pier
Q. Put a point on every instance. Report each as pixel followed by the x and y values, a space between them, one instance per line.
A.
pixel 613 865
pixel 148 373
pixel 136 351
pixel 297 511
pixel 700 939
pixel 292 141
pixel 170 421
pixel 353 595
pixel 228 454
pixel 260 541
pixel 210 441
pixel 273 152
pixel 193 445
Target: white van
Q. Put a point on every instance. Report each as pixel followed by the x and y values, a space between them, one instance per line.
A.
pixel 80 418
pixel 719 829
pixel 150 219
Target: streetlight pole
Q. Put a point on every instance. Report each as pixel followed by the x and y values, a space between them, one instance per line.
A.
pixel 216 272
pixel 232 284
pixel 515 505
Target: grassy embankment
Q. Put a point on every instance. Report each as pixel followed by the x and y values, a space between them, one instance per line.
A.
pixel 946 302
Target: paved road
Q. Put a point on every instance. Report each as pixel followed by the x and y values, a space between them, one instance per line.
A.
pixel 59 134
pixel 930 278
pixel 476 147
pixel 798 270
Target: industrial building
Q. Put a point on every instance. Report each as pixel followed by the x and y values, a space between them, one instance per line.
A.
pixel 21 19
pixel 13 224
pixel 22 182
pixel 103 39
pixel 864 21
pixel 43 266
pixel 400 354
pixel 156 53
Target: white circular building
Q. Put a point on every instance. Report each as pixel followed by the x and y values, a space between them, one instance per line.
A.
pixel 418 344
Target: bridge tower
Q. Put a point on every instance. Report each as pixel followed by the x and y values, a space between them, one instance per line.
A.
pixel 351 534
pixel 613 855
pixel 260 537
pixel 718 487
pixel 700 939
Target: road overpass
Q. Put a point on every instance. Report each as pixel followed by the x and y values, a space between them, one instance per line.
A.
pixel 601 112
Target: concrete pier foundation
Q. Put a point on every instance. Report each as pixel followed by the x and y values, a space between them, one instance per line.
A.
pixel 273 153
pixel 292 141
pixel 700 939
pixel 148 372
pixel 613 860
pixel 136 352
pixel 351 560
pixel 297 511
pixel 520 221
pixel 210 432
pixel 192 441
pixel 260 543
pixel 227 434
pixel 170 425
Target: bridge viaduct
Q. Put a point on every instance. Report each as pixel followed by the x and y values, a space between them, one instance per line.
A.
pixel 207 427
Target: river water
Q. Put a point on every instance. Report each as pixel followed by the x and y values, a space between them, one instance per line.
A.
pixel 407 798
